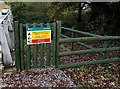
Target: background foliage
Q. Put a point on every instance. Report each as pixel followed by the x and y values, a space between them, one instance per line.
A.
pixel 96 17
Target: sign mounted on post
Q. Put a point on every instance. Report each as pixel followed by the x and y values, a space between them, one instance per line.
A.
pixel 37 35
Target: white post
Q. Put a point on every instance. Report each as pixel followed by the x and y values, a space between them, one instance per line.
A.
pixel 1 62
pixel 7 58
pixel 5 28
pixel 11 16
pixel 0 54
pixel 11 29
pixel 6 39
pixel 10 23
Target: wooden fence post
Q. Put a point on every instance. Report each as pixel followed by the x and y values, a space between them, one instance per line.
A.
pixel 58 34
pixel 17 47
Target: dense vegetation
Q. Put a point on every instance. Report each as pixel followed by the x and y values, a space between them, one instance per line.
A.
pixel 97 17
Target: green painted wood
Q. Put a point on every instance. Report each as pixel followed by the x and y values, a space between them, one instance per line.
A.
pixel 35 56
pixel 72 36
pixel 28 59
pixel 17 47
pixel 58 34
pixel 54 43
pixel 21 47
pixel 80 43
pixel 48 51
pixel 32 56
pixel 78 64
pixel 64 36
pixel 41 55
pixel 89 47
pixel 42 52
pixel 89 51
pixel 35 65
pixel 24 25
pixel 81 32
pixel 105 46
pixel 89 39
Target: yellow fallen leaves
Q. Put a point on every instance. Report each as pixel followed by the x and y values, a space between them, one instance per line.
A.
pixel 81 73
pixel 112 83
pixel 89 75
pixel 103 78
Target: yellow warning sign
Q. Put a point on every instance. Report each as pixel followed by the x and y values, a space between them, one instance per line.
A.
pixel 42 36
pixel 38 35
pixel 41 32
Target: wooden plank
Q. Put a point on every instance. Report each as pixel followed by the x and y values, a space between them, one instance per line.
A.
pixel 35 56
pixel 48 51
pixel 89 51
pixel 41 52
pixel 54 42
pixel 72 36
pixel 22 47
pixel 17 49
pixel 78 64
pixel 28 63
pixel 41 55
pixel 34 52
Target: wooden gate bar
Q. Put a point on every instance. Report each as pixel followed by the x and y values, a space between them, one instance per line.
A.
pixel 81 32
pixel 88 39
pixel 78 64
pixel 80 43
pixel 89 51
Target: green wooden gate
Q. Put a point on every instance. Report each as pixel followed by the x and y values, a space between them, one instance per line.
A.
pixel 36 55
pixel 48 54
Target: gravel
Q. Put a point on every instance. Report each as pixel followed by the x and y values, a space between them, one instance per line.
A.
pixel 38 77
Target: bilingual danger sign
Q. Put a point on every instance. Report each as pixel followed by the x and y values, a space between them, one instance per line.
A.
pixel 37 35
